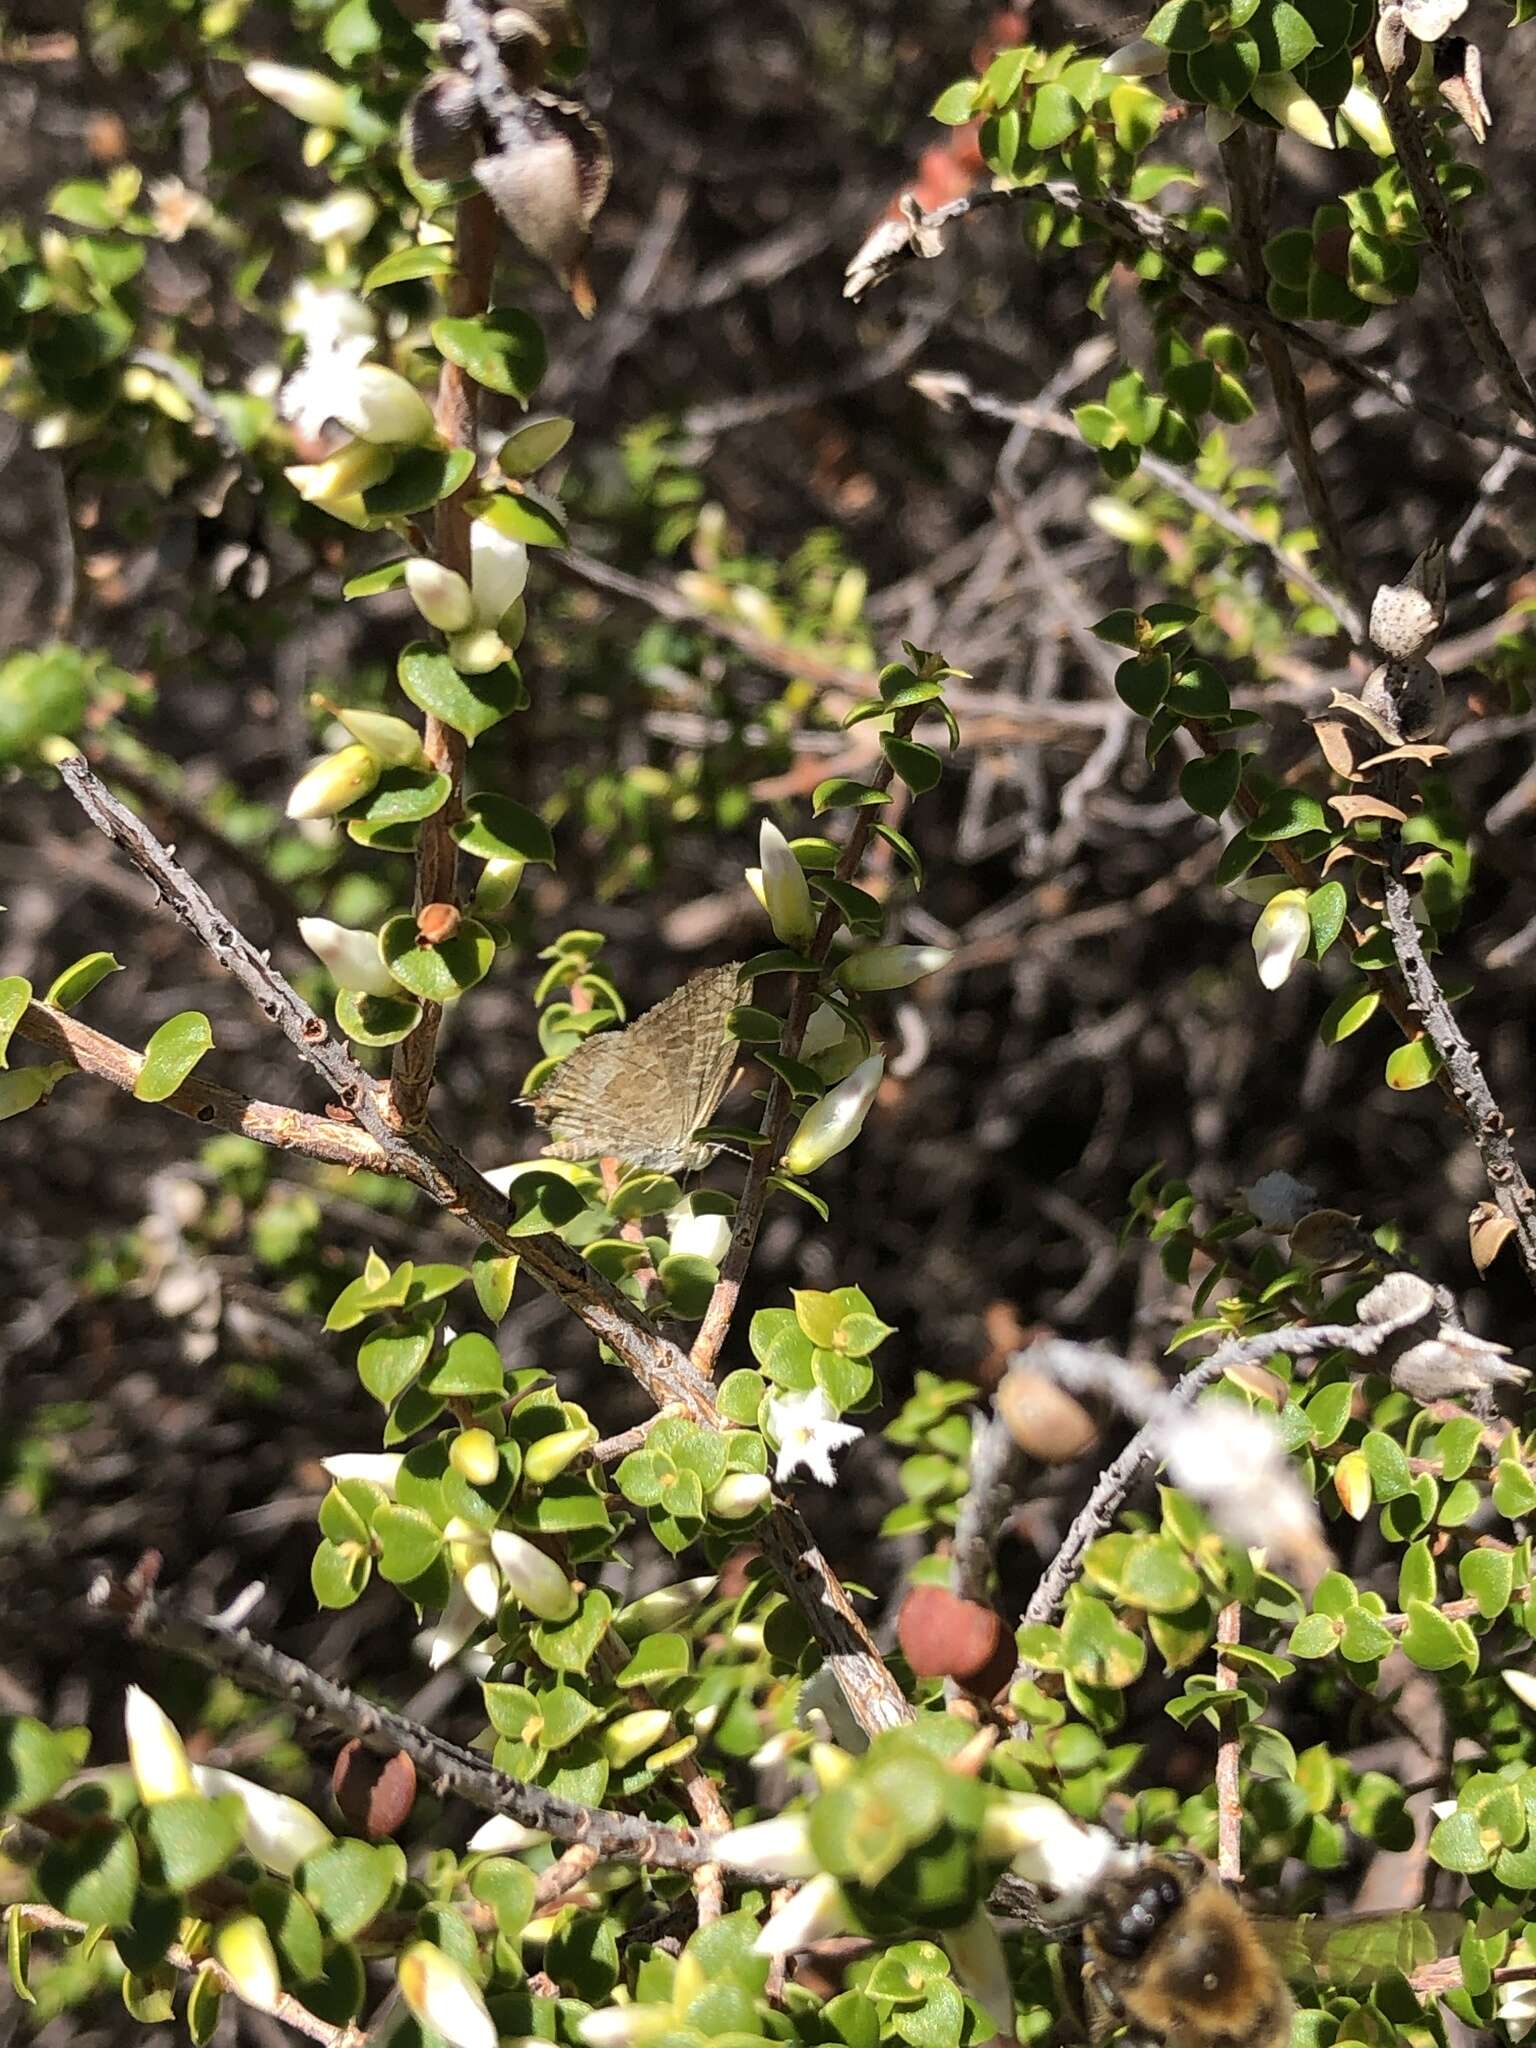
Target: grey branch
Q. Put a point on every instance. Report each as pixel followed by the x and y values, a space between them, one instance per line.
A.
pixel 449 1769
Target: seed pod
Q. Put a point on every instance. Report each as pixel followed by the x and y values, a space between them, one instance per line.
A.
pixel 374 1794
pixel 943 1636
pixel 444 128
pixel 436 923
pixel 1043 1418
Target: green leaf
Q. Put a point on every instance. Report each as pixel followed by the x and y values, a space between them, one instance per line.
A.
pixel 1315 1635
pixel 1349 1011
pixel 844 793
pixel 1287 814
pixel 15 994
pixel 94 1876
pixel 503 350
pixel 493 1275
pixel 76 982
pixel 1053 115
pixel 496 828
pixel 35 1762
pixel 528 447
pixel 390 1357
pixel 1143 683
pixel 405 266
pixel 171 1055
pixel 1327 908
pixel 420 478
pixel 1411 1066
pixel 571 1645
pixel 1434 1643
pixel 955 104
pixel 18 1945
pixel 1457 1844
pixel 1416 1575
pixel 918 766
pixel 376 1020
pixel 409 1542
pixel 1387 1463
pixel 194 1837
pixel 338 1574
pixel 349 1884
pixel 372 582
pixel 659 1660
pixel 470 1365
pixel 526 516
pixel 1209 783
pixel 440 973
pixel 1488 1577
pixel 470 704
pixel 1328 1412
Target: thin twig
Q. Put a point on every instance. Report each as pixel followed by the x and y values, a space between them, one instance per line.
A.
pixel 1443 230
pixel 1229 1799
pixel 1246 182
pixel 998 1468
pixel 451 1770
pixel 476 234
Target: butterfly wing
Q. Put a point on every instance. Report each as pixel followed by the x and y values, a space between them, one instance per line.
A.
pixel 640 1093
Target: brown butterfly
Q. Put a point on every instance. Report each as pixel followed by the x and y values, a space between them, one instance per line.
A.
pixel 640 1094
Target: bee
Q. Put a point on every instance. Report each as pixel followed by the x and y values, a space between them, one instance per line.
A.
pixel 1175 1959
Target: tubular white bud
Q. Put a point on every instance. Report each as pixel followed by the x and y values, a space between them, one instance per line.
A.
pixel 278 1831
pixel 378 404
pixel 532 1577
pixel 699 1237
pixel 740 1494
pixel 891 966
pixel 831 1125
pixel 352 959
pixel 441 595
pixel 1281 935
pixel 498 571
pixel 244 1947
pixel 443 1996
pixel 161 1769
pixel 307 95
pixel 333 782
pixel 786 895
pixel 1293 107
pixel 816 1911
pixel 379 1468
pixel 780 1847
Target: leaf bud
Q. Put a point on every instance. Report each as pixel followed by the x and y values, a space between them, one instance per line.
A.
pixel 545 1459
pixel 307 95
pixel 474 1455
pixel 244 1947
pixel 831 1125
pixel 628 1738
pixel 740 1494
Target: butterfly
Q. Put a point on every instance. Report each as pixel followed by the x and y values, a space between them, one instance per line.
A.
pixel 640 1094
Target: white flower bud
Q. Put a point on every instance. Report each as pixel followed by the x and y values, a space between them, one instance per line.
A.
pixel 161 1769
pixel 546 1459
pixel 332 783
pixel 1281 936
pixel 786 895
pixel 498 571
pixel 443 1996
pixel 1047 1846
pixel 278 1831
pixel 244 1947
pixel 379 1468
pixel 831 1125
pixel 1139 59
pixel 780 1847
pixel 816 1911
pixel 1523 1686
pixel 351 957
pixel 669 1606
pixel 341 479
pixel 459 1620
pixel 481 1582
pixel 441 595
pixel 981 1968
pixel 307 95
pixel 345 217
pixel 698 1237
pixel 624 2026
pixel 533 1577
pixel 503 1836
pixel 474 1455
pixel 891 966
pixel 379 405
pixel 629 1737
pixel 740 1494
pixel 1362 110
pixel 1294 108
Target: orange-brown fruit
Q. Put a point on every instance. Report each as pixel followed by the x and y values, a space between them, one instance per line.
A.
pixel 437 922
pixel 1043 1418
pixel 373 1794
pixel 943 1636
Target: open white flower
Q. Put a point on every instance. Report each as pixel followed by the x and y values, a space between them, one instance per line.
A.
pixel 807 1429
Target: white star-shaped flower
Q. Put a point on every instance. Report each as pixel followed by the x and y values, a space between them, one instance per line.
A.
pixel 324 383
pixel 807 1429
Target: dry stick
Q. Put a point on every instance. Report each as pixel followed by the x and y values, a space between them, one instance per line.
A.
pixel 1445 237
pixel 1126 221
pixel 1247 179
pixel 1229 1802
pixel 449 1769
pixel 220 1109
pixel 286 2008
pixel 433 1165
pixel 476 234
pixel 998 1470
pixel 941 386
pixel 775 1124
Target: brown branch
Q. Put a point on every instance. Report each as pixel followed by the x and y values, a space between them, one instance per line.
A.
pixel 287 2008
pixel 1247 179
pixel 716 1325
pixel 221 1109
pixel 1141 227
pixel 1444 232
pixel 451 1770
pixel 437 855
pixel 1229 1798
